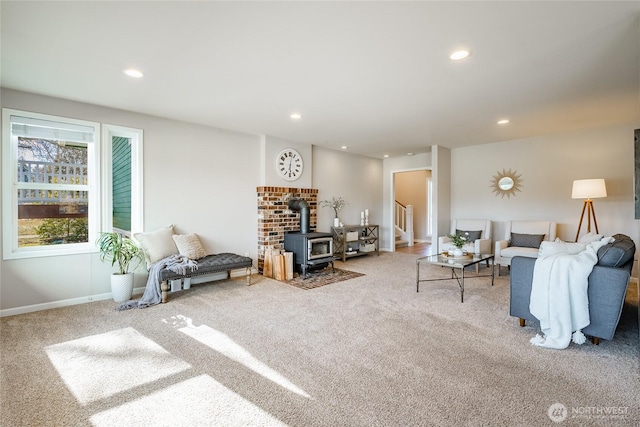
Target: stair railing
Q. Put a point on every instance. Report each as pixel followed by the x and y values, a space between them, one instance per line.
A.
pixel 404 221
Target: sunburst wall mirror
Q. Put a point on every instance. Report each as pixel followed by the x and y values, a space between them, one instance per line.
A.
pixel 506 183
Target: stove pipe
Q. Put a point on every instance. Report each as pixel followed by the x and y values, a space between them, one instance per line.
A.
pixel 302 206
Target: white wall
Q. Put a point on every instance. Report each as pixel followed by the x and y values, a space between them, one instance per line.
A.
pixel 441 193
pixel 191 180
pixel 270 148
pixel 356 178
pixel 548 165
pixel 202 180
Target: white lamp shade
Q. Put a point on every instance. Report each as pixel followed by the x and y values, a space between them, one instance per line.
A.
pixel 588 189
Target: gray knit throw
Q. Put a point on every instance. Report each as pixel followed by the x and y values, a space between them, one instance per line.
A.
pixel 152 293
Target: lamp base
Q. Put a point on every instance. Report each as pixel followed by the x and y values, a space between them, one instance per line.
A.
pixel 587 206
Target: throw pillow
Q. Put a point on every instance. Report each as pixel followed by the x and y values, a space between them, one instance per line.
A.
pixel 189 245
pixel 473 235
pixel 617 253
pixel 526 240
pixel 157 244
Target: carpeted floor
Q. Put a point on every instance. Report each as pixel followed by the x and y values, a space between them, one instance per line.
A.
pixel 327 276
pixel 368 351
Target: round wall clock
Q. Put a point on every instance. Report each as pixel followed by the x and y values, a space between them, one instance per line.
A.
pixel 289 164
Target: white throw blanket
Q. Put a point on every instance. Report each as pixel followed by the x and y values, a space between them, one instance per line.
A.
pixel 152 292
pixel 559 298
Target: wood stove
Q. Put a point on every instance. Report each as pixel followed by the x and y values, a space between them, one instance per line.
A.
pixel 311 250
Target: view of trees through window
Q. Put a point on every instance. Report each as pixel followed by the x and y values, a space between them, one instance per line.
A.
pixel 52 192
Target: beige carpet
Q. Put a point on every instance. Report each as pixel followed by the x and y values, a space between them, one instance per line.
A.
pixel 368 351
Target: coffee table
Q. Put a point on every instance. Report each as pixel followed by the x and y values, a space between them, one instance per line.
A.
pixel 454 264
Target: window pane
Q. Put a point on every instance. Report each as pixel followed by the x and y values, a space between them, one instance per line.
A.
pixel 121 182
pixel 52 162
pixel 52 217
pixel 51 187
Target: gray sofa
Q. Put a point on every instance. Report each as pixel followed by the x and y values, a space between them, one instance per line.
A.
pixel 608 284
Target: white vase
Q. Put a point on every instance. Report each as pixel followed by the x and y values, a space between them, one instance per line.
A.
pixel 122 287
pixel 457 252
pixel 336 222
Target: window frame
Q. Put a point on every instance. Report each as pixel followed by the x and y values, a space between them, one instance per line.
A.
pixel 10 249
pixel 136 136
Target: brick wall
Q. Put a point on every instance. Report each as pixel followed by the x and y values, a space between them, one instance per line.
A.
pixel 274 216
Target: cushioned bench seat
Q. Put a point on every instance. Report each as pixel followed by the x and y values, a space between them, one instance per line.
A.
pixel 208 265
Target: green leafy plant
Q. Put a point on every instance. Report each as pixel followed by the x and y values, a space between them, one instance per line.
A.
pixel 116 247
pixel 459 240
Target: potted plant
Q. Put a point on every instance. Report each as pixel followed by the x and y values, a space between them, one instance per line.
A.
pixel 336 205
pixel 120 249
pixel 459 240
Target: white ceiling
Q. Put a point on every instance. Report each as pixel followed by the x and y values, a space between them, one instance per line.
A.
pixel 374 76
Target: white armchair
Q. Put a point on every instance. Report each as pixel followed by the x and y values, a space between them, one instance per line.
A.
pixel 481 245
pixel 522 238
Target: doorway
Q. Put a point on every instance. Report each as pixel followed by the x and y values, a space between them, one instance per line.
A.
pixel 411 188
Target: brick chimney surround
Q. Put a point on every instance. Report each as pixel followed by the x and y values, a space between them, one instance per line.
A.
pixel 275 217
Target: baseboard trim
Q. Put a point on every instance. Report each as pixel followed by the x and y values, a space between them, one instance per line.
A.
pixel 54 304
pixel 101 297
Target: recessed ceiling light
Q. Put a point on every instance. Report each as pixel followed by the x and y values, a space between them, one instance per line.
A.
pixel 503 121
pixel 133 73
pixel 459 54
pixel 344 147
pixel 386 156
pixel 296 116
pixel 409 154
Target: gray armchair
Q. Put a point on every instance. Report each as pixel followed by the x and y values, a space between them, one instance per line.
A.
pixel 607 287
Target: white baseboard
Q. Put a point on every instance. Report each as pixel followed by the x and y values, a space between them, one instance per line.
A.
pixel 101 297
pixel 54 304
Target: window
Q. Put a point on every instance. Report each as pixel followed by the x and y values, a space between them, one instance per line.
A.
pixel 51 185
pixel 122 179
pixel 121 183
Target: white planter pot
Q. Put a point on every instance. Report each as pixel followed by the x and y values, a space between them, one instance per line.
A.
pixel 122 287
pixel 336 222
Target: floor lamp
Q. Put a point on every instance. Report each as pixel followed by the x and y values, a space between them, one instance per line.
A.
pixel 588 189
